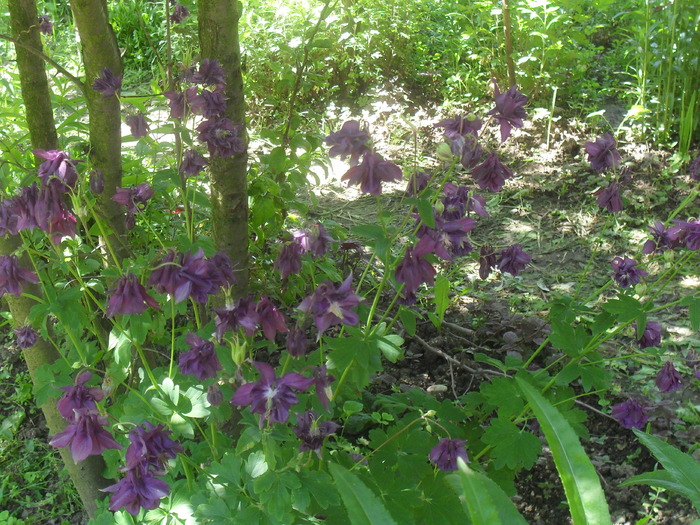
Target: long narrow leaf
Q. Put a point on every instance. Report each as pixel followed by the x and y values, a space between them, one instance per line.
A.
pixel 682 467
pixel 662 479
pixel 581 484
pixel 363 505
pixel 482 499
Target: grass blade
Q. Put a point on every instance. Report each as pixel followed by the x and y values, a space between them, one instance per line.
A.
pixel 583 491
pixel 482 499
pixel 363 505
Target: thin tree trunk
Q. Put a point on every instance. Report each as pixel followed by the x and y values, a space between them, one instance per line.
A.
pixel 100 50
pixel 87 476
pixel 507 27
pixel 218 38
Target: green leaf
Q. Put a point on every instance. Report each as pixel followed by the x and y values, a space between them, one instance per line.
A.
pixel 625 307
pixel 502 394
pixel 408 319
pixel 363 505
pixel 368 231
pixel 693 305
pixel 442 299
pixel 484 501
pixel 661 479
pixel 512 447
pixel 425 210
pixel 586 498
pixel 682 467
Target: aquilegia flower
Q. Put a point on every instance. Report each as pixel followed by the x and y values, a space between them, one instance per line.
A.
pixel 288 261
pixel 214 395
pixel 270 319
pixel 223 138
pixel 311 432
pixel 185 275
pixel 694 168
pixel 129 297
pixel 242 315
pixel 178 102
pixel 414 269
pixel 79 397
pixel 45 25
pixel 602 154
pixel 134 198
pixel 417 182
pixel 57 164
pixel 330 305
pixel 192 163
pixel 509 110
pixel 26 337
pixel 487 260
pixel 209 73
pixel 349 141
pixel 662 238
pixel 138 125
pixel 689 233
pixel 210 104
pixel 460 125
pixel 13 277
pixel 107 83
pixel 444 455
pixel 322 381
pixel 491 174
pixel 668 379
pixel 625 272
pixel 513 259
pixel 297 342
pixel 180 12
pixel 371 172
pixel 85 435
pixel 138 489
pixel 630 414
pixel 610 198
pixel 651 336
pixel 448 238
pixel 151 447
pixel 201 360
pixel 271 397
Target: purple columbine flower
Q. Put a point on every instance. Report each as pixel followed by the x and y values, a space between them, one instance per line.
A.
pixel 349 141
pixel 651 336
pixel 477 204
pixel 630 414
pixel 371 172
pixel 186 275
pixel 26 337
pixel 222 137
pixel 85 435
pixel 694 168
pixel 138 125
pixel 138 489
pixel 513 259
pixel 129 297
pixel 662 238
pixel 180 12
pixel 668 379
pixel 417 182
pixel 269 318
pixel 444 455
pixel 192 163
pixel 178 102
pixel 135 198
pixel 414 269
pixel 689 234
pixel 107 83
pixel 288 262
pixel 487 260
pixel 97 182
pixel 57 164
pixel 13 277
pixel 460 125
pixel 469 151
pixel 448 238
pixel 311 432
pixel 242 315
pixel 209 73
pixel 610 198
pixel 509 110
pixel 297 342
pixel 322 382
pixel 271 397
pixel 625 272
pixel 151 447
pixel 214 395
pixel 319 241
pixel 210 104
pixel 45 25
pixel 330 305
pixel 602 154
pixel 201 360
pixel 454 202
pixel 79 397
pixel 491 174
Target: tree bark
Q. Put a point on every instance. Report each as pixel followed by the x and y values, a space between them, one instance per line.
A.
pixel 507 28
pixel 87 476
pixel 218 38
pixel 100 50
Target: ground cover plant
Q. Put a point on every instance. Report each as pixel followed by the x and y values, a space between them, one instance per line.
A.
pixel 210 344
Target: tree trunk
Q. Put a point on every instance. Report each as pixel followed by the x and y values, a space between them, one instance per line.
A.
pixel 218 38
pixel 100 50
pixel 507 27
pixel 87 476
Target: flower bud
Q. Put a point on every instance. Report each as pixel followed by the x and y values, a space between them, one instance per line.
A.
pixel 214 395
pixel 444 152
pixel 669 255
pixel 640 289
